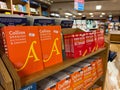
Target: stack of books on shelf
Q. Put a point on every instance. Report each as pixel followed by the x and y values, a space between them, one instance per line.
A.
pixel 19 7
pixel 3 5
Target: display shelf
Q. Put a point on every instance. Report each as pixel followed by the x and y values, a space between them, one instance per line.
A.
pixel 54 69
pixel 115 37
pixel 34 14
pixel 1 88
pixel 5 80
pixel 11 72
pixel 18 82
pixel 95 81
pixel 10 4
pixel 19 2
pixel 43 2
pixel 1 9
pixel 117 42
pixel 20 12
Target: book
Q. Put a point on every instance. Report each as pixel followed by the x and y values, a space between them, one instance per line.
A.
pixel 21 44
pixel 50 38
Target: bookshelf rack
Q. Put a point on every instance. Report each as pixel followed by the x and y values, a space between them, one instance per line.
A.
pixel 18 83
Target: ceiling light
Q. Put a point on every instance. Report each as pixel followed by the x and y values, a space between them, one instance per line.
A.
pixel 79 13
pixel 110 15
pixel 57 15
pixel 98 7
pixel 103 13
pixel 91 13
pixel 74 16
pixel 69 14
pixel 83 16
pixel 66 16
pixel 52 14
pixel 51 1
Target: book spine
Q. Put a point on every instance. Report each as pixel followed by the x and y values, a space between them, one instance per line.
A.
pixel 67 45
pixel 72 46
pixel 4 42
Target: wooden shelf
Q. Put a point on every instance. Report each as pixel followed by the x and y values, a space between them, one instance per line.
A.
pixel 35 14
pixel 20 12
pixel 42 2
pixel 26 4
pixel 5 9
pixel 94 82
pixel 117 42
pixel 54 69
pixel 19 2
pixel 1 88
pixel 115 38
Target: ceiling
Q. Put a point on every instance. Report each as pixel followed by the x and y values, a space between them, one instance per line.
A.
pixel 108 7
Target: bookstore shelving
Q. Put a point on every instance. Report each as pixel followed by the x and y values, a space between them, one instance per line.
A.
pixel 18 82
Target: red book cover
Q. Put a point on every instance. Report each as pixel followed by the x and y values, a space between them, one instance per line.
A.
pixel 96 40
pixel 90 42
pixel 67 45
pixel 100 38
pixel 78 45
pixel 23 48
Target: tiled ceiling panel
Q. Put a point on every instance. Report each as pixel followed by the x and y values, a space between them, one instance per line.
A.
pixel 108 6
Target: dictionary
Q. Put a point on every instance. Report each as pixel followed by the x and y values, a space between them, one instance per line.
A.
pixel 50 38
pixel 21 44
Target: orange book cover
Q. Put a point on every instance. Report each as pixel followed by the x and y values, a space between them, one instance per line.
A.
pixel 50 37
pixel 99 66
pixel 23 48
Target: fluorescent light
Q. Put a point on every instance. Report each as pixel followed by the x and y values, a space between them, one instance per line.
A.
pixel 51 1
pixel 103 13
pixel 91 13
pixel 79 13
pixel 110 15
pixel 74 16
pixel 83 16
pixel 57 15
pixel 52 14
pixel 98 7
pixel 66 16
pixel 69 14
